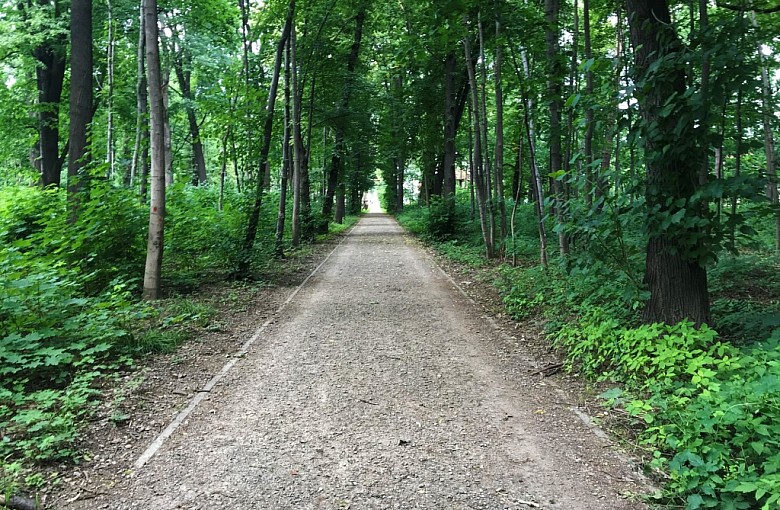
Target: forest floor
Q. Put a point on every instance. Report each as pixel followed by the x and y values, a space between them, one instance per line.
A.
pixel 380 384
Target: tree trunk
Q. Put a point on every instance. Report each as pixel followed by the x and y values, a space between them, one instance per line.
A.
pixel 481 189
pixel 298 149
pixel 110 101
pixel 282 214
pixel 499 152
pixel 554 91
pixel 590 122
pixel 536 188
pixel 80 101
pixel 448 165
pixel 141 148
pixel 245 257
pixel 181 62
pixel 49 76
pixel 155 242
pixel 483 118
pixel 769 146
pixel 676 280
pixel 168 147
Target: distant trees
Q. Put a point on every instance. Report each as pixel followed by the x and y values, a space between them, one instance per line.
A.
pixel 557 105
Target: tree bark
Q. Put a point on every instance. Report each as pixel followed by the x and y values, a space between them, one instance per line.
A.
pixel 284 177
pixel 450 131
pixel 676 280
pixel 155 240
pixel 50 75
pixel 80 101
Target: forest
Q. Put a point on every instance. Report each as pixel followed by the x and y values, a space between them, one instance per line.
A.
pixel 609 166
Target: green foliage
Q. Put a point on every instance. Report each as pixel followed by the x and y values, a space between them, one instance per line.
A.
pixel 717 433
pixel 199 237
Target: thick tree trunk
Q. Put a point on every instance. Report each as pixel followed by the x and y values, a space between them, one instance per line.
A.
pixel 49 76
pixel 155 241
pixel 80 100
pixel 448 166
pixel 245 257
pixel 676 280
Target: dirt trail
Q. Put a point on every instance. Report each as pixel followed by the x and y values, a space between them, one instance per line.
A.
pixel 379 386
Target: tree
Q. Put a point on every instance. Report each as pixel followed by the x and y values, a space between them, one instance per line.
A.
pixel 155 242
pixel 674 273
pixel 254 215
pixel 50 74
pixel 80 98
pixel 337 159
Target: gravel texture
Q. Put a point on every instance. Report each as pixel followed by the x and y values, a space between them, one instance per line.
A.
pixel 380 386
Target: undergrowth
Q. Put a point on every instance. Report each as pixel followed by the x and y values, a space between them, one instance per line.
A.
pixel 71 317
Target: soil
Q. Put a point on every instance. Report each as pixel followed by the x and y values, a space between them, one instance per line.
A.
pixel 380 384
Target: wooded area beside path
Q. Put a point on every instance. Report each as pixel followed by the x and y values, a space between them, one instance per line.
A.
pixel 610 166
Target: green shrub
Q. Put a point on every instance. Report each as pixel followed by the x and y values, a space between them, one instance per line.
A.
pixel 718 435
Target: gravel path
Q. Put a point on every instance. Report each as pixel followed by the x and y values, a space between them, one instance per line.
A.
pixel 380 386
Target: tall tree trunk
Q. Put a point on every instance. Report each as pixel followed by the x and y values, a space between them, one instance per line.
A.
pixel 155 242
pixel 483 118
pixel 537 185
pixel 499 156
pixel 245 257
pixel 590 121
pixel 554 92
pixel 300 207
pixel 450 132
pixel 286 157
pixel 337 160
pixel 50 74
pixel 80 100
pixel 480 182
pixel 168 148
pixel 677 282
pixel 181 62
pixel 110 100
pixel 141 148
pixel 767 112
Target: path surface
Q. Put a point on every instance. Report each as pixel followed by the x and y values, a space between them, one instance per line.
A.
pixel 379 386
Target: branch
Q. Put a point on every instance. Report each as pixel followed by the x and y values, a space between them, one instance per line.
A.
pixel 740 8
